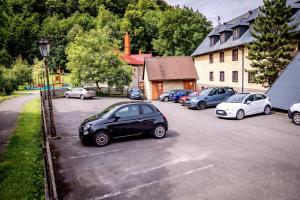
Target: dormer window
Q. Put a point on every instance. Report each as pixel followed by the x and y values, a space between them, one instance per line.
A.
pixel 214 39
pixel 223 38
pixel 236 33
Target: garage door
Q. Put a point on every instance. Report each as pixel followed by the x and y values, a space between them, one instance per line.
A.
pixel 189 85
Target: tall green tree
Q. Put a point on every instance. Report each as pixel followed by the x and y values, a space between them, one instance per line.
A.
pixel 4 17
pixel 272 49
pixel 180 31
pixel 22 71
pixel 92 58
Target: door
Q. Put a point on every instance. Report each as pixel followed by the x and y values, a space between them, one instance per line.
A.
pixel 72 92
pixel 221 96
pixel 250 108
pixel 126 121
pixel 157 89
pixel 148 117
pixel 260 103
pixel 212 98
pixel 189 85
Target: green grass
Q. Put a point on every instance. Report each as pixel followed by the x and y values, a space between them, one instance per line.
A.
pixel 21 165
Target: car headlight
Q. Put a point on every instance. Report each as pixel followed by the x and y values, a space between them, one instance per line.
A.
pixel 86 129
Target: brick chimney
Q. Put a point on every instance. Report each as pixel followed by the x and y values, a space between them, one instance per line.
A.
pixel 127 44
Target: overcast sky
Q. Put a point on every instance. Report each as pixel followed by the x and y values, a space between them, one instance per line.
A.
pixel 226 9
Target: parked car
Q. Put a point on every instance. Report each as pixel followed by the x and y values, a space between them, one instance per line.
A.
pixel 240 105
pixel 294 113
pixel 136 95
pixel 81 93
pixel 168 96
pixel 186 100
pixel 134 89
pixel 121 120
pixel 180 94
pixel 211 97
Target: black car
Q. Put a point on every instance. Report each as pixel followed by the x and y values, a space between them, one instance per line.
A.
pixel 121 120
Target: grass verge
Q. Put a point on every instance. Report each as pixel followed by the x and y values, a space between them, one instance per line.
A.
pixel 21 165
pixel 3 98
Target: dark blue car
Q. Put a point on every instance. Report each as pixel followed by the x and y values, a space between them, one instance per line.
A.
pixel 169 96
pixel 180 94
pixel 211 97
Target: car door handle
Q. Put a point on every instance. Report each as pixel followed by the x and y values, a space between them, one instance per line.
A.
pixel 205 98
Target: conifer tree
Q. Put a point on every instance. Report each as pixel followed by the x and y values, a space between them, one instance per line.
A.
pixel 272 48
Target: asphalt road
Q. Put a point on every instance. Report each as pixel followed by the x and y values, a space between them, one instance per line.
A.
pixel 202 157
pixel 9 112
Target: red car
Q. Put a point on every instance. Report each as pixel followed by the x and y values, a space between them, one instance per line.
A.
pixel 184 98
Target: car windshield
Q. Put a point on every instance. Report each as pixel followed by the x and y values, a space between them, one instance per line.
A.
pixel 206 92
pixel 135 90
pixel 89 89
pixel 194 94
pixel 105 114
pixel 238 98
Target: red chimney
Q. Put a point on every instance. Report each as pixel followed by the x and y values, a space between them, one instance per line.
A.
pixel 127 44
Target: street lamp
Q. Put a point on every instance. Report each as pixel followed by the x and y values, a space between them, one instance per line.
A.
pixel 45 52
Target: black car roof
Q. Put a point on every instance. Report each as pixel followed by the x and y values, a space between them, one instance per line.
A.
pixel 131 102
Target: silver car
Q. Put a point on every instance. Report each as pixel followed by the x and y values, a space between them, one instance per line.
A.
pixel 81 93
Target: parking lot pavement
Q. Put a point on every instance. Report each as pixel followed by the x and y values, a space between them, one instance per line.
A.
pixel 202 157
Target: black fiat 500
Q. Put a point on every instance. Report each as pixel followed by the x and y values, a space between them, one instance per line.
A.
pixel 121 120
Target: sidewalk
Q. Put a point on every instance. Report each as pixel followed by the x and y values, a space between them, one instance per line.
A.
pixel 9 112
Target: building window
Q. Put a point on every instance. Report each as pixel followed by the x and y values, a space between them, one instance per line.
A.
pixel 235 76
pixel 251 77
pixel 236 33
pixel 211 58
pixel 221 56
pixel 211 76
pixel 235 54
pixel 222 76
pixel 223 39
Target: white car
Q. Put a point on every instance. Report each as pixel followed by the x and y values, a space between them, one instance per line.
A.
pixel 240 105
pixel 81 93
pixel 294 113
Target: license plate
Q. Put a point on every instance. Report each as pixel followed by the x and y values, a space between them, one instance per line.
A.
pixel 221 112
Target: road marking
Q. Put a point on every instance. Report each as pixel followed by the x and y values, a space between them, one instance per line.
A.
pixel 152 183
pixel 174 162
pixel 92 154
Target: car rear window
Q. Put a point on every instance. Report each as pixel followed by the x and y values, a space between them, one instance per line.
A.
pixel 147 109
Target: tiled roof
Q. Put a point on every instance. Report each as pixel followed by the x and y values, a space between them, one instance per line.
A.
pixel 170 68
pixel 135 59
pixel 242 20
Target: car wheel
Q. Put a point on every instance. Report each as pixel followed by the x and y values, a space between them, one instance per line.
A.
pixel 166 99
pixel 159 131
pixel 201 105
pixel 267 110
pixel 101 139
pixel 82 97
pixel 240 115
pixel 296 118
pixel 66 95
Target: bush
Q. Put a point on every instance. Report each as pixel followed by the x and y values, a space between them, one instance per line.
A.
pixel 7 82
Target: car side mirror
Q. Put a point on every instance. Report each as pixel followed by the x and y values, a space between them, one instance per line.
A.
pixel 117 117
pixel 249 102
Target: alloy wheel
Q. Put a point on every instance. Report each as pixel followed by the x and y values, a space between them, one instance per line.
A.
pixel 201 105
pixel 101 139
pixel 67 96
pixel 267 110
pixel 296 118
pixel 166 99
pixel 159 131
pixel 81 97
pixel 240 115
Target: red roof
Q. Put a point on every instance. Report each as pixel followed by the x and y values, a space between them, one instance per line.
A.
pixel 135 59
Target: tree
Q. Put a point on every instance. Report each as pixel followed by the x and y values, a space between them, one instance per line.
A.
pixel 180 31
pixel 271 51
pixel 38 70
pixel 21 71
pixel 4 16
pixel 7 82
pixel 92 58
pixel 140 20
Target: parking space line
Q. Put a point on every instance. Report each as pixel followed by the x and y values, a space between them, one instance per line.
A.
pixel 92 154
pixel 109 195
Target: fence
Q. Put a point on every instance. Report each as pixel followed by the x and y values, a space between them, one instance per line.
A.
pixel 50 186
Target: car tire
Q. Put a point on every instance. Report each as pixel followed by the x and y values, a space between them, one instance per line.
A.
pixel 66 96
pixel 201 105
pixel 101 139
pixel 166 99
pixel 240 114
pixel 267 110
pixel 296 118
pixel 159 131
pixel 82 97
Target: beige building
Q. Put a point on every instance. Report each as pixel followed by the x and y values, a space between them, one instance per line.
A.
pixel 162 74
pixel 221 59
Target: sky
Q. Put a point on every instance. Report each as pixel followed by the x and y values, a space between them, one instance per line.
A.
pixel 226 9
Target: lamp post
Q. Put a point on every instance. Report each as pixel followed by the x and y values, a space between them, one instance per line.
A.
pixel 45 52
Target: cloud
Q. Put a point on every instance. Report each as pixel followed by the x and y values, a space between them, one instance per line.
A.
pixel 226 9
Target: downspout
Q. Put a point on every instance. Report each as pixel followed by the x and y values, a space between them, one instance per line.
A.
pixel 243 67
